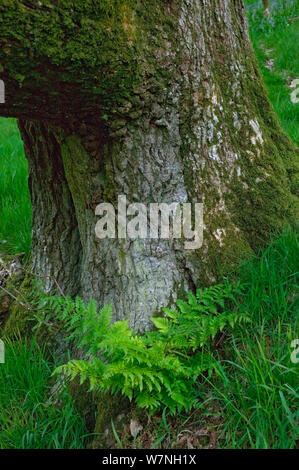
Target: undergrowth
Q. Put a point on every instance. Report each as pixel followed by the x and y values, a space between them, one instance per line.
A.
pixel 30 417
pixel 160 368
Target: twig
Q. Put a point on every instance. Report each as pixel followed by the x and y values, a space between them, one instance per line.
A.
pixel 15 298
pixel 43 277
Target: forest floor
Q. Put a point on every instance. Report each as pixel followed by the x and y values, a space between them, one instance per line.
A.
pixel 252 401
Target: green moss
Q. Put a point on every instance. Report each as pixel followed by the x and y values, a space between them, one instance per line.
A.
pixel 108 408
pixel 76 163
pixel 270 203
pixel 85 402
pixel 261 199
pixel 110 192
pixel 101 48
pixel 122 254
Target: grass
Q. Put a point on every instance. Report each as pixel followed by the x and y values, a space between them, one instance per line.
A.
pixel 257 387
pixel 275 41
pixel 15 206
pixel 28 418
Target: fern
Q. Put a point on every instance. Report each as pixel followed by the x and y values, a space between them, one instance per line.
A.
pixel 159 369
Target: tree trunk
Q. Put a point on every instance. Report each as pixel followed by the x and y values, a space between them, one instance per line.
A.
pixel 160 101
pixel 55 237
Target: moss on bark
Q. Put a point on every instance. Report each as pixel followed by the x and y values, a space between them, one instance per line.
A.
pixel 109 408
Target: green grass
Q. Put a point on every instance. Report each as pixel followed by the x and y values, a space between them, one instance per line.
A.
pixel 257 387
pixel 28 417
pixel 276 38
pixel 15 207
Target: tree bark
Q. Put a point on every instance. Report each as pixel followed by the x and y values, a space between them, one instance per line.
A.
pixel 55 237
pixel 161 101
